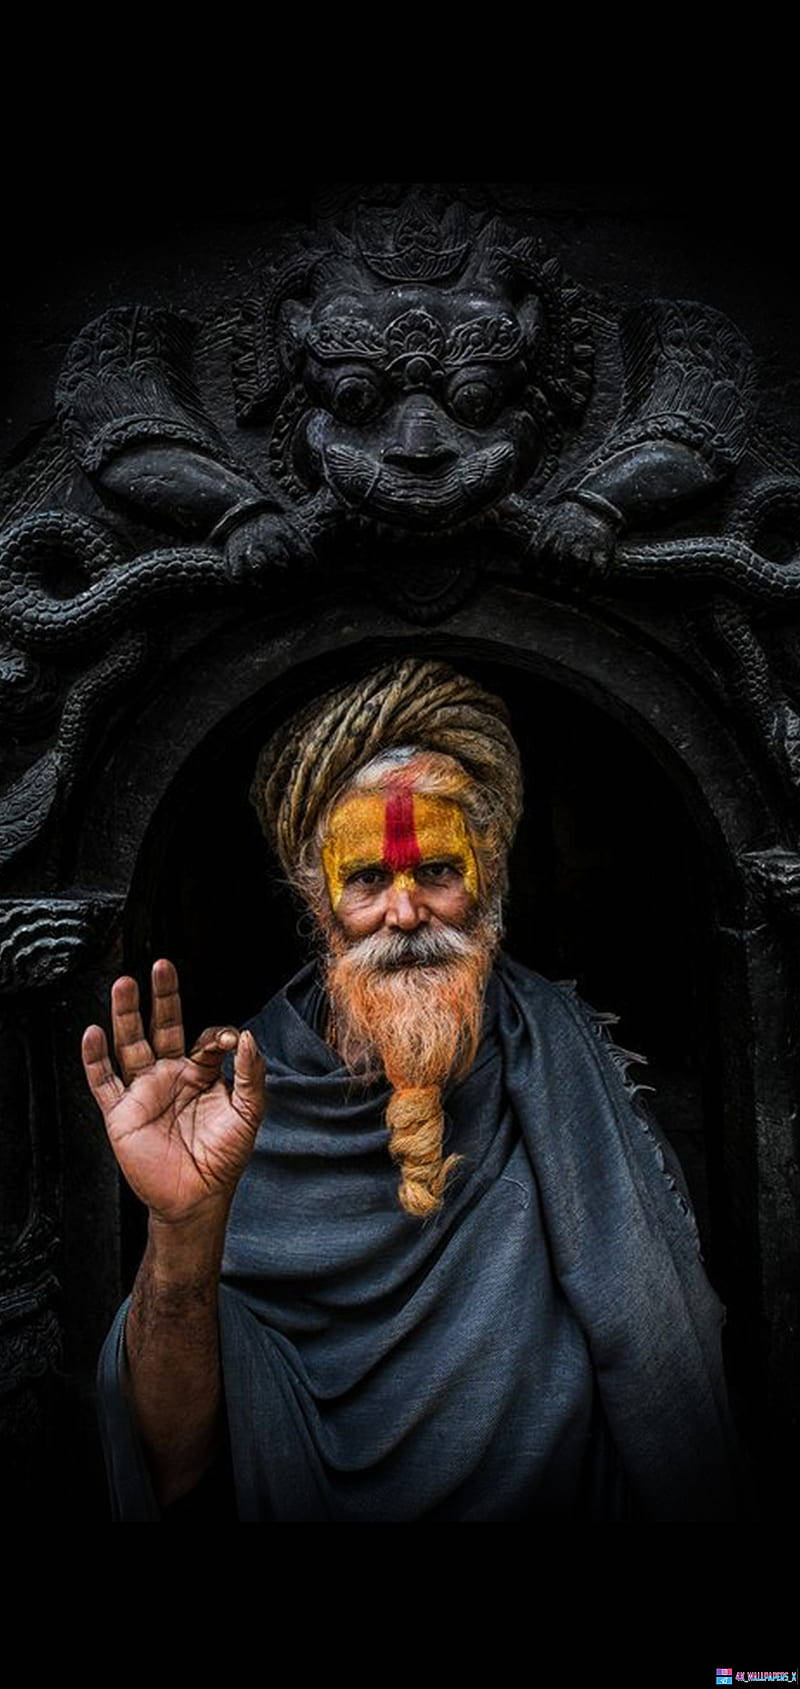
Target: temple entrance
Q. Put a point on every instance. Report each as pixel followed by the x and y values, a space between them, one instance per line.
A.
pixel 608 887
pixel 626 877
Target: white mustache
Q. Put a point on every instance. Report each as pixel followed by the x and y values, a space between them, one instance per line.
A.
pixel 424 947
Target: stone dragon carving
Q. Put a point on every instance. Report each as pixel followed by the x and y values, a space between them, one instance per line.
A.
pixel 421 384
pixel 414 380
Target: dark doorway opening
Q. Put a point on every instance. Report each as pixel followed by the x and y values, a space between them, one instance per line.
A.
pixel 608 887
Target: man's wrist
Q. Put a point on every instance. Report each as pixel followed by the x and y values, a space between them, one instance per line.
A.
pixel 187 1253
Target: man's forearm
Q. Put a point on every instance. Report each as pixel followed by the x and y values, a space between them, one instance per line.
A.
pixel 172 1344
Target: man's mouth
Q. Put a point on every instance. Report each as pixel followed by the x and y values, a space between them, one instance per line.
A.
pixel 392 953
pixel 427 953
pixel 409 959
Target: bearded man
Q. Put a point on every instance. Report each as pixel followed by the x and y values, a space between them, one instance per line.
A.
pixel 446 1270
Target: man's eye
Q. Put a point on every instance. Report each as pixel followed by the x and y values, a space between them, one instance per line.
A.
pixel 436 871
pixel 367 877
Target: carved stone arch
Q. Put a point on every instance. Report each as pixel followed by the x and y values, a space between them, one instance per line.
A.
pixel 222 701
pixel 224 681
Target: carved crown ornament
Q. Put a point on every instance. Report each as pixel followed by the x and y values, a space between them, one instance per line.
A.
pixel 411 391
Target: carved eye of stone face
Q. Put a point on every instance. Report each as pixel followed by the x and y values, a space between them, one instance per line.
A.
pixel 473 402
pixel 356 398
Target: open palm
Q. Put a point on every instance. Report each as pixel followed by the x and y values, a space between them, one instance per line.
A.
pixel 181 1138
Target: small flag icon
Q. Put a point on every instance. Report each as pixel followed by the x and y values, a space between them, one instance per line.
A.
pixel 725 1674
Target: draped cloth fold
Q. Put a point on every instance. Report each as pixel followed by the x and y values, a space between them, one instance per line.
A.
pixel 548 1345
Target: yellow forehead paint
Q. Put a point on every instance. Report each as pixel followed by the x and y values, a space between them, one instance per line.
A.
pixel 399 831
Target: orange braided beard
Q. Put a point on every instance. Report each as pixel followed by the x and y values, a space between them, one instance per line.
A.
pixel 411 1004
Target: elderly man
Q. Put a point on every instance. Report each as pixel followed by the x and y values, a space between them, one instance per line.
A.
pixel 444 1270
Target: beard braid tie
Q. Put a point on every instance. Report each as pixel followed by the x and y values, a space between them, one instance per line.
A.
pixel 415 1119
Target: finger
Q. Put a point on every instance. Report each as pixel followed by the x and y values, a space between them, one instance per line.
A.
pixel 166 1021
pixel 213 1035
pixel 132 1049
pixel 213 1045
pixel 105 1085
pixel 249 1095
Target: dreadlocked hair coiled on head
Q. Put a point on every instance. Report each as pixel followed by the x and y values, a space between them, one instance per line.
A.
pixel 311 760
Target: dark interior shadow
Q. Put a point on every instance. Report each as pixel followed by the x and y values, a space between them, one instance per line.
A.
pixel 608 888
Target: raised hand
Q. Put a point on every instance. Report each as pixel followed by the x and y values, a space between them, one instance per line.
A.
pixel 181 1138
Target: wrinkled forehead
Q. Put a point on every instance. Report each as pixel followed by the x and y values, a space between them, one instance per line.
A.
pixel 397 828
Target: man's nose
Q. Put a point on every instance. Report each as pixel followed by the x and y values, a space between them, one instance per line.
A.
pixel 403 910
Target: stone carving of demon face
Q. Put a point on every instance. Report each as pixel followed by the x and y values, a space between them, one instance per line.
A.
pixel 417 412
pixel 425 379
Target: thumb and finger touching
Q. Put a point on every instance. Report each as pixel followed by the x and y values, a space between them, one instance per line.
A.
pixel 154 1074
pixel 211 1048
pixel 219 1042
pixel 248 1094
pixel 214 1044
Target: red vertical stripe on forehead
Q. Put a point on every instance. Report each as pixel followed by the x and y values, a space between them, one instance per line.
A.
pixel 400 845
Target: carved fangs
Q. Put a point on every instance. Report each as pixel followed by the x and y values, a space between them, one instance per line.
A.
pixel 417 499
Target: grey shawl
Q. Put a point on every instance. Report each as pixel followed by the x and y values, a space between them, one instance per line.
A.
pixel 547 1346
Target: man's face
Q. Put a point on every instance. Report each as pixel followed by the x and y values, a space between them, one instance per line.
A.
pixel 399 860
pixel 410 948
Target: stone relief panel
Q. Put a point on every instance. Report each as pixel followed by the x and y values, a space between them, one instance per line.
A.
pixel 415 394
pixel 411 399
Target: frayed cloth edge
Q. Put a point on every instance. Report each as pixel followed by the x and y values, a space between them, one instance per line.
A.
pixel 599 1021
